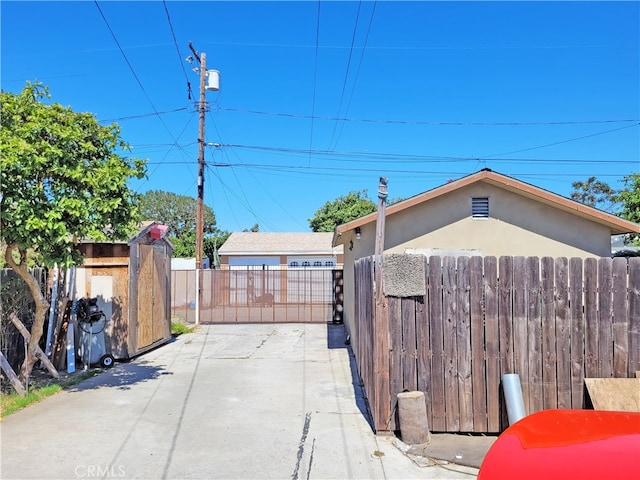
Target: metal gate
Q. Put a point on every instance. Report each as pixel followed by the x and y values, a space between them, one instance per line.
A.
pixel 259 296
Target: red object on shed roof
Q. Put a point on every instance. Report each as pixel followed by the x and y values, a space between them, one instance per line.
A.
pixel 565 445
pixel 158 231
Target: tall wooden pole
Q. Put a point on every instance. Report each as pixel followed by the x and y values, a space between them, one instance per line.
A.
pixel 381 320
pixel 201 144
pixel 380 219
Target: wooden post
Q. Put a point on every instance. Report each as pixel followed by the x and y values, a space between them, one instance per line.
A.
pixel 13 378
pixel 381 320
pixel 380 219
pixel 38 351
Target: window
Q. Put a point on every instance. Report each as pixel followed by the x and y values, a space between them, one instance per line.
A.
pixel 306 264
pixel 294 264
pixel 317 263
pixel 329 264
pixel 480 207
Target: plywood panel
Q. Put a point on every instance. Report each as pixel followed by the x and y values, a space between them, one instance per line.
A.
pixel 620 394
pixel 145 297
pixel 160 299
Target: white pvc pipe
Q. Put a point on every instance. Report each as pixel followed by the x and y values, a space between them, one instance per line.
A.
pixel 52 311
pixel 513 397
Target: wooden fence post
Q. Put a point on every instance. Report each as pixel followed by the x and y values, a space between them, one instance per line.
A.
pixel 381 319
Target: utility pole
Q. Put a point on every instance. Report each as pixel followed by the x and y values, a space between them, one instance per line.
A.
pixel 213 84
pixel 202 59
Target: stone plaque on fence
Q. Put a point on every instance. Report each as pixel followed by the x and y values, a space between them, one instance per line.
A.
pixel 403 275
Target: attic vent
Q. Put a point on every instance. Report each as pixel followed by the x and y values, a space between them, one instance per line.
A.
pixel 480 207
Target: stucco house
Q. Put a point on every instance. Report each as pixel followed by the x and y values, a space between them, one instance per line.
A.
pixel 273 250
pixel 485 213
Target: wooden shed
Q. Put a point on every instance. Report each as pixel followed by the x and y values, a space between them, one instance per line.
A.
pixel 132 281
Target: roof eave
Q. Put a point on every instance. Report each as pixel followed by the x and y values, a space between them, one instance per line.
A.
pixel 617 225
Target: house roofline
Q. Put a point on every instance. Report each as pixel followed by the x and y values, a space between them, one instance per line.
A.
pixel 267 253
pixel 616 224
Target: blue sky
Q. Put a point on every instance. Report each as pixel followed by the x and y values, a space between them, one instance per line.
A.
pixel 321 98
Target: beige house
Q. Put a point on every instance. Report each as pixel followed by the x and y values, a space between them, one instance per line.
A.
pixel 265 250
pixel 486 214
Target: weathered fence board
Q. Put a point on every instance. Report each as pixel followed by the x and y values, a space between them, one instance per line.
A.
pixel 551 321
pixel 534 324
pixel 450 317
pixel 620 324
pixel 492 343
pixel 396 355
pixel 435 307
pixel 549 393
pixel 605 310
pixel 423 342
pixel 477 328
pixel 591 317
pixel 634 315
pixel 409 345
pixel 463 345
pixel 577 332
pixel 520 343
pixel 562 334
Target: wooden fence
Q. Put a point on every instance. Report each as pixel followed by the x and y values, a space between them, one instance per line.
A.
pixel 554 322
pixel 259 296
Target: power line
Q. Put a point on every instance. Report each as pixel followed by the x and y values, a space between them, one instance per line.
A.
pixel 315 80
pixel 274 199
pixel 346 73
pixel 175 42
pixel 353 169
pixel 115 39
pixel 144 115
pixel 355 81
pixel 418 122
pixel 408 158
pixel 561 142
pixel 259 219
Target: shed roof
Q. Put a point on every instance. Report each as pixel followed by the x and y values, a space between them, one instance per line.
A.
pixel 273 243
pixel 617 225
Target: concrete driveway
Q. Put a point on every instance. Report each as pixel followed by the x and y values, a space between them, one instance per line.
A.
pixel 270 401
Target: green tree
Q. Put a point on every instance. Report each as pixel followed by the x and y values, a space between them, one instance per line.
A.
pixel 343 209
pixel 629 199
pixel 212 243
pixel 179 213
pixel 594 193
pixel 64 177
